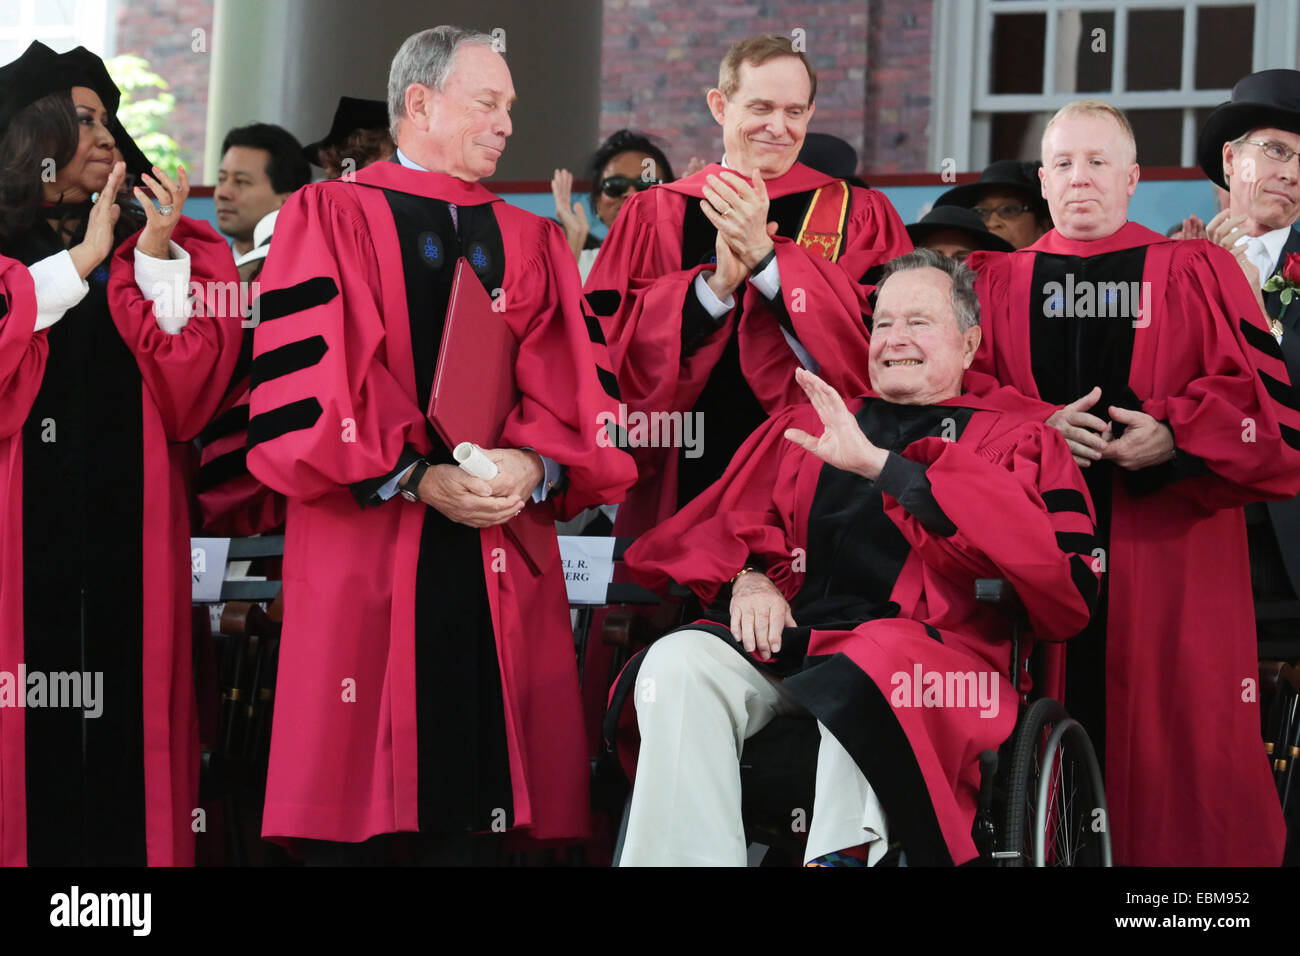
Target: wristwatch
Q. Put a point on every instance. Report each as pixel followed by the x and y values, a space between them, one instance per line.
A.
pixel 410 488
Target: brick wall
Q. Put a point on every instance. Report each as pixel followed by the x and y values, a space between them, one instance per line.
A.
pixel 160 31
pixel 872 59
pixel 898 86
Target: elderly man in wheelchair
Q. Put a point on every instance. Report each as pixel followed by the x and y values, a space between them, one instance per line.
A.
pixel 838 557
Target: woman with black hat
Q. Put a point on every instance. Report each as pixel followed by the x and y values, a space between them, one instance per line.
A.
pixel 1008 198
pixel 98 754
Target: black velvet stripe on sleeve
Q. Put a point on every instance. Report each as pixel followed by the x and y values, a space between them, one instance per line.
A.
pixel 4 306
pixel 231 421
pixel 224 468
pixel 1065 499
pixel 618 437
pixel 1084 580
pixel 277 303
pixel 1073 542
pixel 860 716
pixel 1279 391
pixel 1259 339
pixel 906 481
pixel 293 417
pixel 287 359
pixel 604 302
pixel 697 324
pixel 594 331
pixel 609 383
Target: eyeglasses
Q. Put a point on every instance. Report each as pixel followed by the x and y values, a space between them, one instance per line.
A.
pixel 1009 211
pixel 1274 150
pixel 616 186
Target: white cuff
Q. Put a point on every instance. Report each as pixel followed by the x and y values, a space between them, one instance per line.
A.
pixel 166 283
pixel 58 288
pixel 716 307
pixel 768 281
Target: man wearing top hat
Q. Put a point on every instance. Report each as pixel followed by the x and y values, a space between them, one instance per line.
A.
pixel 1250 145
pixel 955 232
pixel 1007 198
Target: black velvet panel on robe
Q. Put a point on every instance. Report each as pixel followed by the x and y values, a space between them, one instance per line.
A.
pixel 855 552
pixel 1070 355
pixel 729 408
pixel 855 555
pixel 464 764
pixel 83 584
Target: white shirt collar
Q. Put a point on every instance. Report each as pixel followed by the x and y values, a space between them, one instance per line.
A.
pixel 409 163
pixel 1273 243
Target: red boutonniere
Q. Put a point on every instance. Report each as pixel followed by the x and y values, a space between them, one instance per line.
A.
pixel 1287 279
pixel 1286 282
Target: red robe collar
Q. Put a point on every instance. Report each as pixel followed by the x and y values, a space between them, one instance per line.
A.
pixel 431 185
pixel 797 179
pixel 1128 236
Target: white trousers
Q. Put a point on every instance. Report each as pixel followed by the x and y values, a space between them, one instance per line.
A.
pixel 697 701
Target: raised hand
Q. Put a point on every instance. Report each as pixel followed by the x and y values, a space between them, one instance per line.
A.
pixel 739 212
pixel 98 241
pixel 160 221
pixel 572 215
pixel 842 442
pixel 729 272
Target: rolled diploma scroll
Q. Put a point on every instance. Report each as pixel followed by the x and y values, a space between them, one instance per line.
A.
pixel 471 458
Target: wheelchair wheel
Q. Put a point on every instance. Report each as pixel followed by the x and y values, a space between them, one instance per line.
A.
pixel 1055 812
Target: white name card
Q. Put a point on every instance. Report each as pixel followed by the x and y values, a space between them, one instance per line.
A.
pixel 588 567
pixel 208 568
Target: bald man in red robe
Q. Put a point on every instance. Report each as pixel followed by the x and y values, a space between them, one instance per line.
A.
pixel 1177 405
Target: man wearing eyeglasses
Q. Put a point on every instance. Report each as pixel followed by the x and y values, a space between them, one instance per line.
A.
pixel 1251 146
pixel 712 290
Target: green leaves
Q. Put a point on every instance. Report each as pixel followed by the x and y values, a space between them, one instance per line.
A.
pixel 145 116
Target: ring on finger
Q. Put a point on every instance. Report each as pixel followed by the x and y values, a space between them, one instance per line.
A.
pixel 167 209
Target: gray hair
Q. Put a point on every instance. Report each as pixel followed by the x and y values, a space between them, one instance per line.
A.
pixel 425 58
pixel 965 303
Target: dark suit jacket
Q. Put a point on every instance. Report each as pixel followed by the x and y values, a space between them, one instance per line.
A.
pixel 1285 515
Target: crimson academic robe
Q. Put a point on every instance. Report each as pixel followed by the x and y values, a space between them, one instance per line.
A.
pixel 1186 778
pixel 95 568
pixel 427 677
pixel 670 356
pixel 231 501
pixel 880 577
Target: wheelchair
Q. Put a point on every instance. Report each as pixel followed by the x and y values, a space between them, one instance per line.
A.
pixel 1041 798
